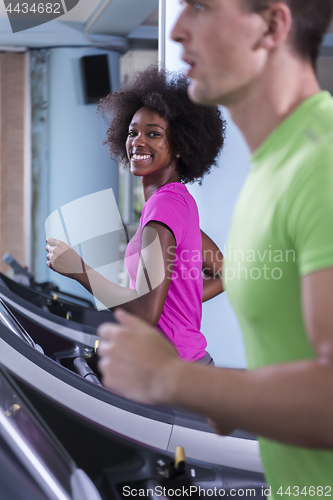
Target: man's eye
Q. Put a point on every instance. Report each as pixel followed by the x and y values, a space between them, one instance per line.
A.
pixel 198 6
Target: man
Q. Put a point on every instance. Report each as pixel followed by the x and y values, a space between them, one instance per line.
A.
pixel 257 57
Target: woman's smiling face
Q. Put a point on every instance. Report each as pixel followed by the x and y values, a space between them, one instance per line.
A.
pixel 147 145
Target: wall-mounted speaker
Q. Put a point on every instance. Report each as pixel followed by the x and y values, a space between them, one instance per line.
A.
pixel 96 77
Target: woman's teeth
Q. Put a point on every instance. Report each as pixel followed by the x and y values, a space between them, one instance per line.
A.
pixel 141 157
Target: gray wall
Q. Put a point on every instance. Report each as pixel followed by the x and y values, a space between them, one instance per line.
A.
pixel 78 163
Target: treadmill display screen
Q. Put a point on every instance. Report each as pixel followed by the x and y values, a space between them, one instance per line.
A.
pixel 37 449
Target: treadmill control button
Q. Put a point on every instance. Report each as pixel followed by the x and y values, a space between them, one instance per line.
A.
pixel 165 470
pixel 13 410
pixel 180 460
pixel 165 473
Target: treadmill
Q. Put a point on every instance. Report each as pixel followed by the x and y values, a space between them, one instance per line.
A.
pixel 47 297
pixel 34 465
pixel 52 385
pixel 70 459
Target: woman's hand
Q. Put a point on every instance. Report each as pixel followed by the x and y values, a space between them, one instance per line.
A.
pixel 63 259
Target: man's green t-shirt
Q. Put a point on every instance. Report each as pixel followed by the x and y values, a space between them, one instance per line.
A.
pixel 283 230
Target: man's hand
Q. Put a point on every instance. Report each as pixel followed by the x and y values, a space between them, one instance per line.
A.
pixel 136 360
pixel 63 259
pixel 222 430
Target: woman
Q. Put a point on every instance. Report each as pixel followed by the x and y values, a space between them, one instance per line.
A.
pixel 168 141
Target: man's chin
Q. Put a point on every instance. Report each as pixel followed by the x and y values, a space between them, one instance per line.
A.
pixel 199 95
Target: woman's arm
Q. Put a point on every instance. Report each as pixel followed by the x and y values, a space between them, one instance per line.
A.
pixel 153 277
pixel 212 259
pixel 155 272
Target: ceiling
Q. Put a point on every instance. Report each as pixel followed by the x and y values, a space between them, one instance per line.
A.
pixel 81 12
pixel 119 24
pixel 116 24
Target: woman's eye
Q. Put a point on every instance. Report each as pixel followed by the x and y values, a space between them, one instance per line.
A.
pixel 153 134
pixel 131 133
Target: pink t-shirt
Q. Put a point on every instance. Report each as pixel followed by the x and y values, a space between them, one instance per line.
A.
pixel 180 319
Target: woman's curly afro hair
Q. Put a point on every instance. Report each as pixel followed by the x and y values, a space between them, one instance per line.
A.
pixel 195 131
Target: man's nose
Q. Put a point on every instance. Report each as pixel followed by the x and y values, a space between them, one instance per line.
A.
pixel 139 140
pixel 178 33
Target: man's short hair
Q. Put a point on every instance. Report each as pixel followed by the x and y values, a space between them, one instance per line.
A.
pixel 311 19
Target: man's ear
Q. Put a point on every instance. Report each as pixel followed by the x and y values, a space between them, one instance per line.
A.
pixel 278 20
